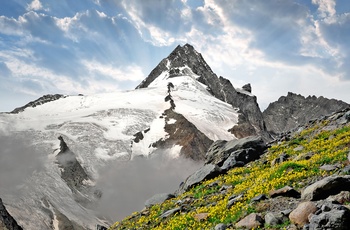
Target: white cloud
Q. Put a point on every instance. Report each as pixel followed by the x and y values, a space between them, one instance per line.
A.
pixel 326 8
pixel 35 5
pixel 126 73
pixel 11 26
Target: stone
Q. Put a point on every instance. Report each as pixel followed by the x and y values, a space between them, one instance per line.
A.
pixel 232 200
pixel 206 172
pixel 201 216
pixel 251 221
pixel 346 169
pixel 259 198
pixel 333 219
pixel 272 219
pixel 286 191
pixel 299 216
pixel 220 226
pixel 158 199
pixel 321 189
pixel 231 161
pixel 329 168
pixel 170 212
pixel 341 198
pixel 220 150
pixel 299 148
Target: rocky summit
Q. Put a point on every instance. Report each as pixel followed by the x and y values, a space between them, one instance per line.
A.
pixel 236 167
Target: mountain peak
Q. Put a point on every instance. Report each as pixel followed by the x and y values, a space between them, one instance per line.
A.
pixel 183 60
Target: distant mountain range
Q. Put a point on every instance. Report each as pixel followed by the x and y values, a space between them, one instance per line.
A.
pixel 178 111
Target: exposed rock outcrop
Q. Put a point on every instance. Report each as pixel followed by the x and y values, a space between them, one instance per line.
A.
pixel 245 150
pixel 42 100
pixel 293 110
pixel 72 172
pixel 193 142
pixel 7 222
pixel 331 185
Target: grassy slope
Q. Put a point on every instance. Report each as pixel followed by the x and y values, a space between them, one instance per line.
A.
pixel 330 145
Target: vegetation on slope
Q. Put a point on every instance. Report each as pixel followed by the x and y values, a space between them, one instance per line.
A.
pixel 305 153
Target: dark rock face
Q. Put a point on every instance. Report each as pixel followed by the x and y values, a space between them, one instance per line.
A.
pixel 7 222
pixel 194 143
pixel 293 110
pixel 72 172
pixel 42 100
pixel 245 150
pixel 251 119
pixel 207 172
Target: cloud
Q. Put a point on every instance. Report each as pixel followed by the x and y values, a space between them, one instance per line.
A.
pixel 326 8
pixel 126 186
pixel 34 5
pixel 127 73
pixel 18 161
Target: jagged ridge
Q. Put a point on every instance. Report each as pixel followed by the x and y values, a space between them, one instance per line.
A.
pixel 293 110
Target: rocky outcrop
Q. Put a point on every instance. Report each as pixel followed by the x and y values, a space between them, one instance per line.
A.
pixel 185 60
pixel 243 150
pixel 158 198
pixel 293 110
pixel 181 132
pixel 207 172
pixel 7 222
pixel 72 172
pixel 42 100
pixel 326 187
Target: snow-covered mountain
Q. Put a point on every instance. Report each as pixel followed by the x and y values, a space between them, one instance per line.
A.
pixel 177 113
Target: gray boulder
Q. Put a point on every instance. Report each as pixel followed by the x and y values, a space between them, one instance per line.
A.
pixel 219 151
pixel 170 212
pixel 333 219
pixel 206 172
pixel 158 199
pixel 326 187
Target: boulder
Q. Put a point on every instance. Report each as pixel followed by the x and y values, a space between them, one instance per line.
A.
pixel 286 191
pixel 170 212
pixel 333 219
pixel 272 219
pixel 328 167
pixel 259 198
pixel 341 198
pixel 331 185
pixel 158 199
pixel 251 221
pixel 201 216
pixel 220 226
pixel 299 216
pixel 219 151
pixel 206 172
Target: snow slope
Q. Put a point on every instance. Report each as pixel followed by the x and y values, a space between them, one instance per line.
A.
pixel 99 129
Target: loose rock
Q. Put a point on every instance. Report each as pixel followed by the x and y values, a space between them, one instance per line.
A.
pixel 251 221
pixel 331 185
pixel 299 216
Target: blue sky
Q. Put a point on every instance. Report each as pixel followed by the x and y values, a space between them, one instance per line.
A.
pixel 95 46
